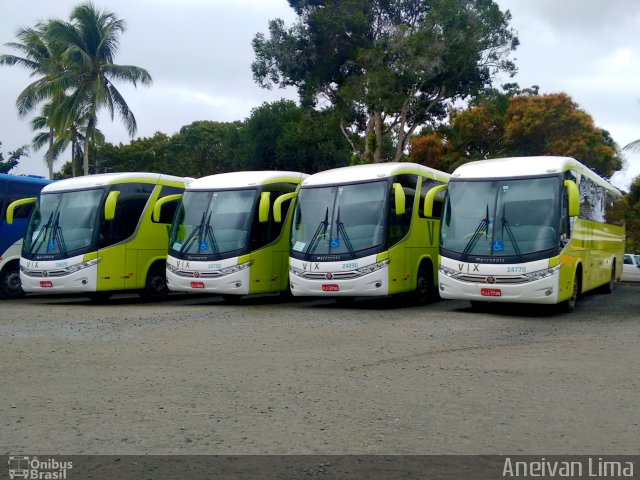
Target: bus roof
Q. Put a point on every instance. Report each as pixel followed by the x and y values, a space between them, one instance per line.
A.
pixel 245 179
pixel 510 167
pixel 372 171
pixel 99 180
pixel 32 179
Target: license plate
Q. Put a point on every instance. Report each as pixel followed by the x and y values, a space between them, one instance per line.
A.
pixel 330 287
pixel 490 292
pixel 197 285
pixel 46 284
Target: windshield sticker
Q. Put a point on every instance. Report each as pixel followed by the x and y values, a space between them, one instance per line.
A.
pixel 177 246
pixel 299 246
pixel 51 245
pixel 334 243
pixel 204 245
pixel 498 246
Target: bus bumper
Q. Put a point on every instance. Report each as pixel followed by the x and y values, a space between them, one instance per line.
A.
pixel 542 291
pixel 325 281
pixel 232 284
pixel 52 277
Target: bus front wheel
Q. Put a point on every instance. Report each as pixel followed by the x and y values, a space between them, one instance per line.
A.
pixel 10 282
pixel 156 285
pixel 424 291
pixel 569 305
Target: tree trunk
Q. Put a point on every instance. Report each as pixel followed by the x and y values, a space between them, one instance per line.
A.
pixel 73 158
pixel 369 139
pixel 50 154
pixel 377 154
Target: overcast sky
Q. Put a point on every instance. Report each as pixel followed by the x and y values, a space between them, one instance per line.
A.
pixel 199 55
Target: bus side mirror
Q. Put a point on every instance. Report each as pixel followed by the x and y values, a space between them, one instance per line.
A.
pixel 400 199
pixel 263 208
pixel 110 205
pixel 157 209
pixel 429 198
pixel 277 205
pixel 574 197
pixel 13 205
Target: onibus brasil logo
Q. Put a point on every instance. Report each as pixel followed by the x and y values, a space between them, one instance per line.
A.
pixel 36 469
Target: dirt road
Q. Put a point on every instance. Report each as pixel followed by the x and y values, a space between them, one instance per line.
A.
pixel 194 375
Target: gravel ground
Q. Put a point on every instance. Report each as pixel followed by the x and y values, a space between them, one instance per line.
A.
pixel 193 375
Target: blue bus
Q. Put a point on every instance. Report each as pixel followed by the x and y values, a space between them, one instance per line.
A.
pixel 13 187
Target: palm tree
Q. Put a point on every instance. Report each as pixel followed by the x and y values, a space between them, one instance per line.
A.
pixel 635 145
pixel 42 61
pixel 87 46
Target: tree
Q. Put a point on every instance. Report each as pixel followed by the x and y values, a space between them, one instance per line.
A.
pixel 632 216
pixel 87 46
pixel 284 136
pixel 13 158
pixel 38 56
pixel 524 124
pixel 385 66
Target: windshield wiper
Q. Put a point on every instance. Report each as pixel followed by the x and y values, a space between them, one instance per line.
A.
pixel 482 227
pixel 42 233
pixel 505 226
pixel 208 234
pixel 187 243
pixel 320 231
pixel 345 237
pixel 56 232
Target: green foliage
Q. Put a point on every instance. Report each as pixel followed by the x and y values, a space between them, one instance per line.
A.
pixel 283 136
pixel 632 216
pixel 519 123
pixel 277 136
pixel 385 66
pixel 13 158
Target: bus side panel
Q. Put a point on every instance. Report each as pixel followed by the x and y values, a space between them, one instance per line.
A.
pixel 261 271
pixel 608 245
pixel 111 267
pixel 151 244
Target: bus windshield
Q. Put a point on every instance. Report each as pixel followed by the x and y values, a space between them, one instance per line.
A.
pixel 339 219
pixel 500 218
pixel 213 222
pixel 63 223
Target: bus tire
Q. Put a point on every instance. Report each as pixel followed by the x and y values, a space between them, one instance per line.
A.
pixel 10 287
pixel 424 292
pixel 155 287
pixel 608 287
pixel 569 305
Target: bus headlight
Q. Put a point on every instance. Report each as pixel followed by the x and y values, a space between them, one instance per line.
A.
pixel 171 268
pixel 448 271
pixel 539 274
pixel 81 266
pixel 236 268
pixel 373 267
pixel 296 271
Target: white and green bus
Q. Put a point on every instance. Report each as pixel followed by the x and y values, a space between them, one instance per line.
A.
pixel 363 231
pixel 96 235
pixel 529 230
pixel 230 235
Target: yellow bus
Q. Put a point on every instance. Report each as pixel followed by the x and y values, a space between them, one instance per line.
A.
pixel 226 238
pixel 530 230
pixel 96 235
pixel 363 231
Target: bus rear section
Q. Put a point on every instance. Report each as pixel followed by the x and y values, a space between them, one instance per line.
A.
pixel 230 236
pixel 96 235
pixel 529 230
pixel 363 231
pixel 15 188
